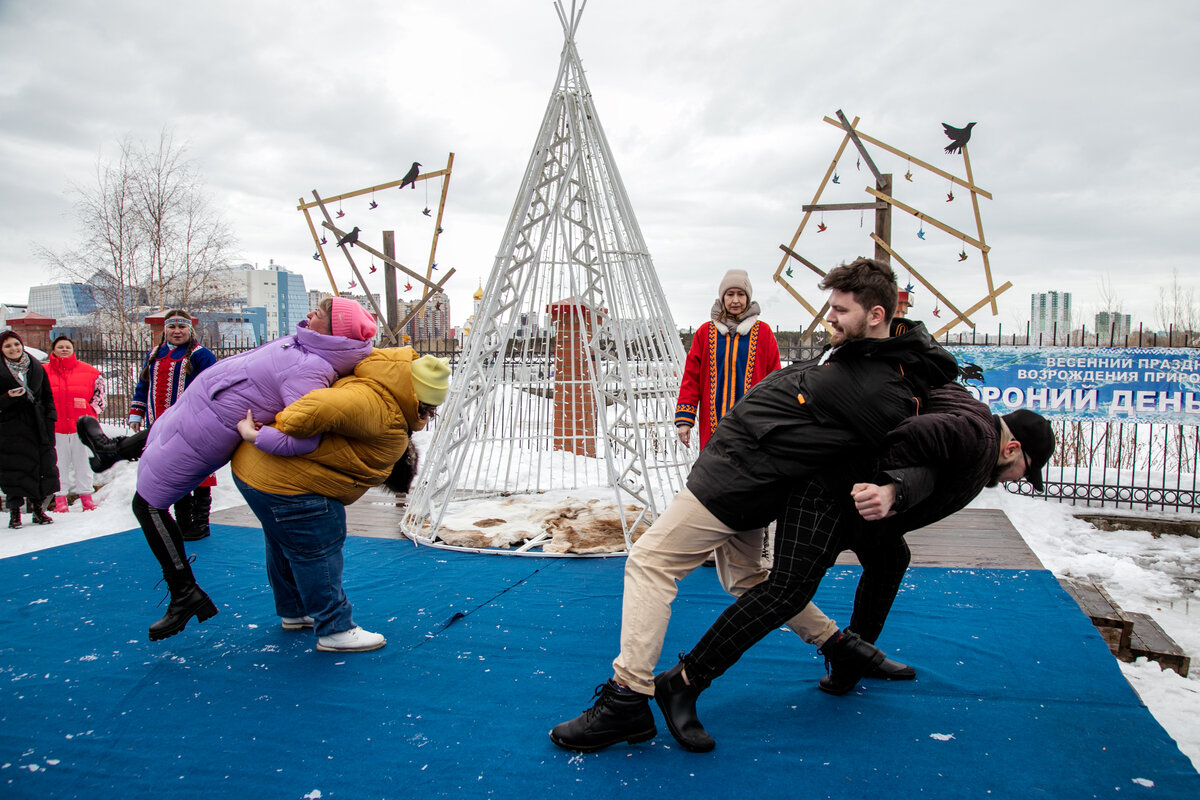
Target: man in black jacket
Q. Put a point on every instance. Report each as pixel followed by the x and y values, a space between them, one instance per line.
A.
pixel 797 422
pixel 933 465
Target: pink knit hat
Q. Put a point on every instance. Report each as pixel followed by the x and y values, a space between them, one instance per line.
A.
pixel 351 321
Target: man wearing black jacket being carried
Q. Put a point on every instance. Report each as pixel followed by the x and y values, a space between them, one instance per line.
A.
pixel 932 466
pixel 800 421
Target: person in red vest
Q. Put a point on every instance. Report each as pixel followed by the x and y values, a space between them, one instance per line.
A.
pixel 729 354
pixel 170 367
pixel 78 392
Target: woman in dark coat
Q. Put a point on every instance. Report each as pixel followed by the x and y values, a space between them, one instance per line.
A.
pixel 28 465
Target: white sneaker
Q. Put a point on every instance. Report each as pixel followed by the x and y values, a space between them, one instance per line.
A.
pixel 355 640
pixel 296 623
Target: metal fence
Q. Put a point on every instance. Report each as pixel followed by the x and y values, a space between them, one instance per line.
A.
pixel 1133 465
pixel 1147 466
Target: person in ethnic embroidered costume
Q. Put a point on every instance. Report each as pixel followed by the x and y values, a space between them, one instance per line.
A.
pixel 168 370
pixel 729 354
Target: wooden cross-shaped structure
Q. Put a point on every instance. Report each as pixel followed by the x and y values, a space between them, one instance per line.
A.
pixel 393 326
pixel 882 203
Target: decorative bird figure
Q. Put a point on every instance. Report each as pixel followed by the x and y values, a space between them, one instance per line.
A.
pixel 821 227
pixel 971 372
pixel 323 240
pixel 908 176
pixel 426 211
pixel 408 287
pixel 963 255
pixel 950 196
pixel 433 265
pixel 349 239
pixel 316 256
pixel 836 179
pixel 440 229
pixel 373 268
pixel 858 164
pixel 374 205
pixel 788 271
pixel 937 312
pixel 340 213
pixel 352 284
pixel 958 137
pixel 921 233
pixel 410 177
pixel 910 287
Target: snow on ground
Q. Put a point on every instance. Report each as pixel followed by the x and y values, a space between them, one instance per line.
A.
pixel 1156 576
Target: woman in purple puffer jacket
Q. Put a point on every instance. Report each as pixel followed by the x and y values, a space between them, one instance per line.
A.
pixel 199 433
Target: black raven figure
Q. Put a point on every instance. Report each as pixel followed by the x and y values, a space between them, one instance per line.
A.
pixel 410 177
pixel 350 238
pixel 958 137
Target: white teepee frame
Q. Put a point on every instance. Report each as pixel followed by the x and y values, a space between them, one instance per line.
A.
pixel 572 245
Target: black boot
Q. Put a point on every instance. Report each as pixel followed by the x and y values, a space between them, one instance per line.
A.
pixel 848 657
pixel 190 601
pixel 183 514
pixel 14 517
pixel 676 699
pixel 108 451
pixel 39 515
pixel 618 715
pixel 197 528
pixel 890 670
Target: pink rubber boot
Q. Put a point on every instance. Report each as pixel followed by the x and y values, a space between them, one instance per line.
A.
pixel 85 500
pixel 60 504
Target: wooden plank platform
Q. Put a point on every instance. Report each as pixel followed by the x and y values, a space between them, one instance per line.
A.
pixel 374 517
pixel 978 538
pixel 1113 624
pixel 981 538
pixel 1149 640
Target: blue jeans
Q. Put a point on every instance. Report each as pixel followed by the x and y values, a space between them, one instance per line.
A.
pixel 304 535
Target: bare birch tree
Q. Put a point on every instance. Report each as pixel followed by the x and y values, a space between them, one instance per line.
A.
pixel 148 236
pixel 1178 312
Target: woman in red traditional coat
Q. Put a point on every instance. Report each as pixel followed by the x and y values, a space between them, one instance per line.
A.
pixel 729 354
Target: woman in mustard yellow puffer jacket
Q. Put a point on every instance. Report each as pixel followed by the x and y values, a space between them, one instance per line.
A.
pixel 360 427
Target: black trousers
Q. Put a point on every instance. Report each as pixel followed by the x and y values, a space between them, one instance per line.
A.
pixel 166 542
pixel 813 530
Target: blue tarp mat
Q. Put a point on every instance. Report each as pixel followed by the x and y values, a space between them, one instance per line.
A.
pixel 1017 694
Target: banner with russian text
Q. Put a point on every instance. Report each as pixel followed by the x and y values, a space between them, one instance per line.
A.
pixel 1142 384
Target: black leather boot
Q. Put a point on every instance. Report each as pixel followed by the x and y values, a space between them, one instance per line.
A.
pixel 889 670
pixel 676 699
pixel 848 657
pixel 197 527
pixel 14 517
pixel 190 601
pixel 618 715
pixel 183 513
pixel 40 517
pixel 108 451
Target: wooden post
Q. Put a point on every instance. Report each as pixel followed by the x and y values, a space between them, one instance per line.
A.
pixel 883 220
pixel 389 280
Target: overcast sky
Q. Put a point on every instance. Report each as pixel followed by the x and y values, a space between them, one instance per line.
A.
pixel 1087 114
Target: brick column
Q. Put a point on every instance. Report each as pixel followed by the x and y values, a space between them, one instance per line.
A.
pixel 34 329
pixel 574 400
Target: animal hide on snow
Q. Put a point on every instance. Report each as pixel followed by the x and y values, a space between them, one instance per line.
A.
pixel 574 525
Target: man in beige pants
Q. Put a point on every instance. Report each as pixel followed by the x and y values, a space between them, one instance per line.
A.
pixel 797 423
